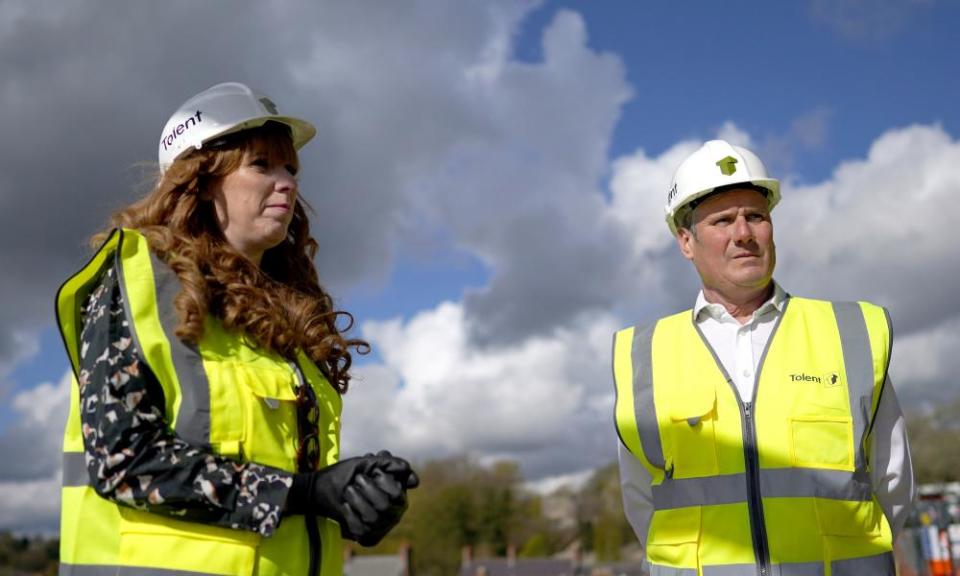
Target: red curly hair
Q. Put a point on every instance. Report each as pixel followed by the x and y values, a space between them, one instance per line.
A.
pixel 279 305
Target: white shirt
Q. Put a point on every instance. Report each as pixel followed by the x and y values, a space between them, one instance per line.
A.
pixel 739 348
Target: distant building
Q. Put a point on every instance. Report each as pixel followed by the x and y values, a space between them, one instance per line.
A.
pixel 513 566
pixel 399 564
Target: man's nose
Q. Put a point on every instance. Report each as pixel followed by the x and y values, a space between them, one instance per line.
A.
pixel 742 231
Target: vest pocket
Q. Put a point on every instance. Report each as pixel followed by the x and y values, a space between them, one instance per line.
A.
pixel 270 415
pixel 152 540
pixel 849 518
pixel 821 442
pixel 674 536
pixel 693 440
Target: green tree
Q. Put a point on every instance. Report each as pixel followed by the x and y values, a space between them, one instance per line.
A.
pixel 602 526
pixel 935 443
pixel 462 503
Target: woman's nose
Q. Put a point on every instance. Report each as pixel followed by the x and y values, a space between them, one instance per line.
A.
pixel 285 180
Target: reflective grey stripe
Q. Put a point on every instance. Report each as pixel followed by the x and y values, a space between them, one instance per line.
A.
pixel 706 491
pixel 858 361
pixel 813 482
pixel 657 570
pixel 799 569
pixel 774 483
pixel 879 565
pixel 75 469
pixel 645 410
pixel 108 570
pixel 786 569
pixel 730 570
pixel 193 419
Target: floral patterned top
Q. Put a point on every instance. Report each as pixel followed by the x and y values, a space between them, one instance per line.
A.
pixel 133 456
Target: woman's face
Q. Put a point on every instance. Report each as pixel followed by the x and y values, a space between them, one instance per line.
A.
pixel 254 203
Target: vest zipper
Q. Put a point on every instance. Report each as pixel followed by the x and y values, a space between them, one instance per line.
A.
pixel 754 501
pixel 309 519
pixel 751 460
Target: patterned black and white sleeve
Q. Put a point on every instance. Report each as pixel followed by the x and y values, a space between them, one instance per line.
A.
pixel 132 455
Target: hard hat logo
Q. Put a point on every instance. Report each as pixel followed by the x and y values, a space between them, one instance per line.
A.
pixel 269 105
pixel 727 165
pixel 226 108
pixel 179 129
pixel 697 176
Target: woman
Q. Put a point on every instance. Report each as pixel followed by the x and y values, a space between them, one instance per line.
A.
pixel 203 436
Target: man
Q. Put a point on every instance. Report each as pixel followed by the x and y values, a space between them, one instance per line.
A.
pixel 759 431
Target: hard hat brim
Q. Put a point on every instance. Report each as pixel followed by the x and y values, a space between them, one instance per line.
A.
pixel 301 132
pixel 771 184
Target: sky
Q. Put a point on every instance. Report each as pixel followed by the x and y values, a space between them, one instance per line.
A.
pixel 488 181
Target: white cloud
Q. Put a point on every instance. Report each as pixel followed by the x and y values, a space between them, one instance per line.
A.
pixel 866 22
pixel 926 367
pixel 31 446
pixel 31 506
pixel 880 228
pixel 639 187
pixel 31 452
pixel 810 129
pixel 550 484
pixel 735 135
pixel 546 400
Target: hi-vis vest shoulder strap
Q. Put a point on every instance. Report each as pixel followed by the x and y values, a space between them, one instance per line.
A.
pixel 224 394
pixel 777 484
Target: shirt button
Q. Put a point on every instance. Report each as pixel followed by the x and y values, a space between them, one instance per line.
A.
pixel 746 373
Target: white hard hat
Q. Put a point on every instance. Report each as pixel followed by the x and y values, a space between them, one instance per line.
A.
pixel 220 110
pixel 717 163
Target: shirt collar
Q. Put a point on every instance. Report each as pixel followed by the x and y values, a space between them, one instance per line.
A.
pixel 703 309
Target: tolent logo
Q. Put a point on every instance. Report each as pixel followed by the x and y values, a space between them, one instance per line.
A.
pixel 830 379
pixel 671 194
pixel 179 129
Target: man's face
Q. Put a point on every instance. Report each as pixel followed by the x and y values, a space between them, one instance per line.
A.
pixel 733 245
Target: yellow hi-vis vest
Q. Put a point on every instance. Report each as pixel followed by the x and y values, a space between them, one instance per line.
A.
pixel 224 394
pixel 774 485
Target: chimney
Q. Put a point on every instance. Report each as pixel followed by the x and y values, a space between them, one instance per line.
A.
pixel 466 556
pixel 406 555
pixel 511 555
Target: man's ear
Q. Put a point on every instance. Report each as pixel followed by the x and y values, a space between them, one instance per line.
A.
pixel 685 241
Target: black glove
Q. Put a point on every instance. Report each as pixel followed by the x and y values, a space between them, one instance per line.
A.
pixel 397 467
pixel 323 492
pixel 384 496
pixel 360 494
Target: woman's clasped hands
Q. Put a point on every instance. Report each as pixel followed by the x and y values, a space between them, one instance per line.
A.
pixel 366 495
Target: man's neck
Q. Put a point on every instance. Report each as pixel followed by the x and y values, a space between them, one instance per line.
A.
pixel 740 304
